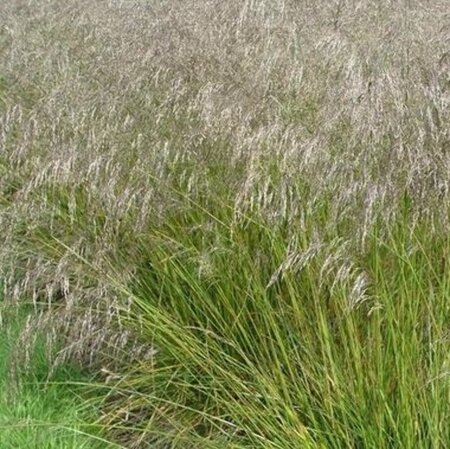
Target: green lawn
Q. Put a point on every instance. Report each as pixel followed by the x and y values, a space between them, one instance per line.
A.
pixel 41 416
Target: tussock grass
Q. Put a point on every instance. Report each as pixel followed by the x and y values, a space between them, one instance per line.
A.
pixel 235 213
pixel 259 343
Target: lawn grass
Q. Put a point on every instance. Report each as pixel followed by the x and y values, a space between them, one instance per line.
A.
pixel 37 413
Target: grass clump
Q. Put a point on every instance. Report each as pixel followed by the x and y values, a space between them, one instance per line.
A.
pixel 264 343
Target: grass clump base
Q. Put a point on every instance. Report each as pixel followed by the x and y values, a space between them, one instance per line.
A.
pixel 278 342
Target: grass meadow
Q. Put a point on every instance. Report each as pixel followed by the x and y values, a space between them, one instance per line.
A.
pixel 37 412
pixel 229 222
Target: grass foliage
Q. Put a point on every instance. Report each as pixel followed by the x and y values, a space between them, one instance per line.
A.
pixel 236 214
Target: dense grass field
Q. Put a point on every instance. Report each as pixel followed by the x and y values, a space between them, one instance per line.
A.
pixel 233 216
